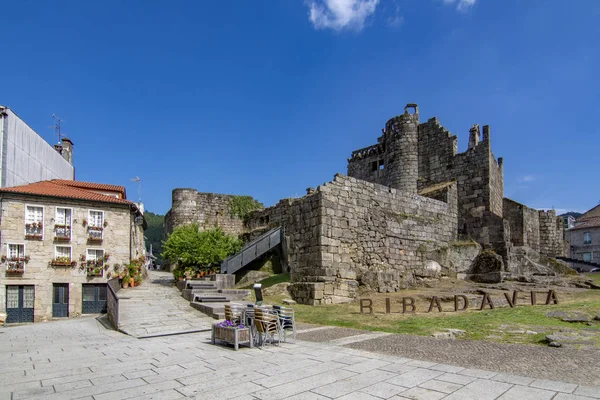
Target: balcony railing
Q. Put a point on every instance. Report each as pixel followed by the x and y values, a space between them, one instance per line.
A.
pixel 15 267
pixel 34 230
pixel 63 262
pixel 95 233
pixel 62 232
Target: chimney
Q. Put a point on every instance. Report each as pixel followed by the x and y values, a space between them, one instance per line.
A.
pixel 67 149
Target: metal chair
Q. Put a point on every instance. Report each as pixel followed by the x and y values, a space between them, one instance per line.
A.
pixel 267 326
pixel 287 321
pixel 233 314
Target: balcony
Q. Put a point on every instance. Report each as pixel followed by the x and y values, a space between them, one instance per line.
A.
pixel 34 231
pixel 63 262
pixel 95 234
pixel 62 233
pixel 15 265
pixel 95 268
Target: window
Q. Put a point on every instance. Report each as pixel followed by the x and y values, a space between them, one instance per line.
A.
pixel 95 225
pixel 34 222
pixel 96 219
pixel 62 227
pixel 95 255
pixel 587 256
pixel 95 262
pixel 62 253
pixel 15 257
pixel 587 238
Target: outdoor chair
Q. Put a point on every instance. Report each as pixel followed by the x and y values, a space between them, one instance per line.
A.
pixel 233 314
pixel 267 326
pixel 287 321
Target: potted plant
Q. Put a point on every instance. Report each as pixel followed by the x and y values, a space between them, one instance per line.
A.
pixel 125 283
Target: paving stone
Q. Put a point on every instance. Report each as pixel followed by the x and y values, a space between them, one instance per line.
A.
pixel 446 368
pixel 590 391
pixel 383 390
pixel 367 366
pixel 477 373
pixel 397 368
pixel 414 378
pixel 72 385
pixel 358 396
pixel 454 378
pixel 353 384
pixel 480 389
pixel 553 385
pixel 441 386
pixel 32 392
pixel 514 379
pixel 519 392
pixel 566 396
pixel 138 391
pixel 303 385
pixel 306 396
pixel 418 393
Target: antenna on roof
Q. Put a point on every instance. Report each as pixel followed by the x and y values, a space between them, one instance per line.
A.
pixel 56 127
pixel 139 185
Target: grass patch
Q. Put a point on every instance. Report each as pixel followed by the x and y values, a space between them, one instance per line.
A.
pixel 503 324
pixel 594 276
pixel 271 280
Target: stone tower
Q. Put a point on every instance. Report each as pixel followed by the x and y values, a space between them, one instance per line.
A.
pixel 402 156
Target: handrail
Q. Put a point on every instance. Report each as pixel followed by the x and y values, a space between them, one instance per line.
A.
pixel 252 251
pixel 112 302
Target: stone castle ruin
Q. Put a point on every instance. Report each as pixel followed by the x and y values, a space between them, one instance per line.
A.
pixel 411 208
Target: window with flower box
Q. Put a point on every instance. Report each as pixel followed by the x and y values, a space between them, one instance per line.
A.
pixel 15 258
pixel 62 225
pixel 95 225
pixel 62 257
pixel 34 222
pixel 95 262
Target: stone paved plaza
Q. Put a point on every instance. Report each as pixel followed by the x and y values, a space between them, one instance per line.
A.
pixel 81 358
pixel 85 359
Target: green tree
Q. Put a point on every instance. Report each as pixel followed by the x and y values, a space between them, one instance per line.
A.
pixel 198 251
pixel 154 233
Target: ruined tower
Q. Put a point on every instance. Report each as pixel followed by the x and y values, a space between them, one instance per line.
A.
pixel 402 156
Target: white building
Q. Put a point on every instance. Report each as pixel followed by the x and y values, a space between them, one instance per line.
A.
pixel 25 157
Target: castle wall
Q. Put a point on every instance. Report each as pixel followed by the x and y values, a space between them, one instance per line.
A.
pixel 524 224
pixel 208 210
pixel 368 164
pixel 551 234
pixel 367 234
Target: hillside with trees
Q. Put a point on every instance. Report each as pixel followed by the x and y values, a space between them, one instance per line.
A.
pixel 154 233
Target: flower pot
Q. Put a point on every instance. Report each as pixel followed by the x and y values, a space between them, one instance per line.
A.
pixel 125 284
pixel 131 282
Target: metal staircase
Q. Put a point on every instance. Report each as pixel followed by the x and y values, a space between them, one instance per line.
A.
pixel 252 251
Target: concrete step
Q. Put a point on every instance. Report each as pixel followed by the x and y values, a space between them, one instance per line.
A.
pixel 236 294
pixel 210 298
pixel 189 294
pixel 201 285
pixel 214 310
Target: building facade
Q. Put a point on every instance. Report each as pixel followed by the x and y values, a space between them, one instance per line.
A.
pixel 584 237
pixel 25 157
pixel 61 241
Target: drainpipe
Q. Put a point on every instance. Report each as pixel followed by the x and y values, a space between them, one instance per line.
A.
pixel 3 116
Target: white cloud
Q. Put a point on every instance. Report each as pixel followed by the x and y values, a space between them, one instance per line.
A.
pixel 396 19
pixel 341 14
pixel 527 178
pixel 461 5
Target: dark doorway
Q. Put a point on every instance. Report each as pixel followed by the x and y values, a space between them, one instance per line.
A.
pixel 94 299
pixel 19 303
pixel 60 300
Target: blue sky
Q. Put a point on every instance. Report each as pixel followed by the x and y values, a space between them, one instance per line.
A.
pixel 267 98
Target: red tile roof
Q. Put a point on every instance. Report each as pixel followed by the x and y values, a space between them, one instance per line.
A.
pixel 91 185
pixel 56 188
pixel 586 223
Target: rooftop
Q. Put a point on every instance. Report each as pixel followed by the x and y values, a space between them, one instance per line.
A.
pixel 71 190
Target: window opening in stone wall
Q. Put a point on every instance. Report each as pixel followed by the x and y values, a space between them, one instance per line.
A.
pixel 373 166
pixel 63 253
pixel 34 222
pixel 381 165
pixel 587 256
pixel 587 238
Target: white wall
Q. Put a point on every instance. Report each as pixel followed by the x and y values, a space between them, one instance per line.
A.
pixel 27 157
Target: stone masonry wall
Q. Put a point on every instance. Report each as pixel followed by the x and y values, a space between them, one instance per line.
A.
pixel 116 242
pixel 208 210
pixel 368 164
pixel 551 234
pixel 524 224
